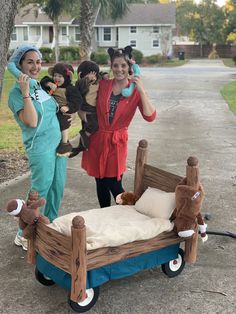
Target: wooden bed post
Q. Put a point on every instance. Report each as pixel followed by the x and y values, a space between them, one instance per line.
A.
pixel 31 253
pixel 192 174
pixel 141 159
pixel 78 260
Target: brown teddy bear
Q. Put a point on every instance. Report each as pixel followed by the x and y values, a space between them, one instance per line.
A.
pixel 29 214
pixel 126 198
pixel 186 216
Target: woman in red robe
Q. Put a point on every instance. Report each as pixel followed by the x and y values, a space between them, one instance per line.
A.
pixel 106 157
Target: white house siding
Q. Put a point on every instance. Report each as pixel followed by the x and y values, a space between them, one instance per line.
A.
pixel 144 39
pixel 105 43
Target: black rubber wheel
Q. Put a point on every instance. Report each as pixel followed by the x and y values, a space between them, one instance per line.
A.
pixel 88 303
pixel 174 267
pixel 43 279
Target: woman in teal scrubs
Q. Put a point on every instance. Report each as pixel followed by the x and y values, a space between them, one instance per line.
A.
pixel 35 112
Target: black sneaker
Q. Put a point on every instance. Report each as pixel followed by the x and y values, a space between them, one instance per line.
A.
pixel 64 149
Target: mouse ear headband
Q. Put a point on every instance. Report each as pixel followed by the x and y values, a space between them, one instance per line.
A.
pixel 121 52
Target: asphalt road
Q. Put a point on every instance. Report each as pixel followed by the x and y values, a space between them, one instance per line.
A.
pixel 193 119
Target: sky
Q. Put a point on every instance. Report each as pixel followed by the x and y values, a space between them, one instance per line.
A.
pixel 219 2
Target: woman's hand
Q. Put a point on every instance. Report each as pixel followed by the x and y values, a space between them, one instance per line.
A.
pixel 28 114
pixel 24 84
pixel 148 107
pixel 52 86
pixel 92 76
pixel 139 84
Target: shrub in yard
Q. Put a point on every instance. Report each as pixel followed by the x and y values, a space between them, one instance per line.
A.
pixel 137 55
pixel 46 53
pixel 99 56
pixel 69 53
pixel 153 58
pixel 234 59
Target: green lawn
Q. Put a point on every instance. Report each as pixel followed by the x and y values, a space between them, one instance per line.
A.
pixel 229 94
pixel 10 133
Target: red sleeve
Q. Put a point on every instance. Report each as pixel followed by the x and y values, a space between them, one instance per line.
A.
pixel 150 118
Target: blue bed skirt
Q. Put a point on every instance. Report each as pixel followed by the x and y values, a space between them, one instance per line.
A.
pixel 118 270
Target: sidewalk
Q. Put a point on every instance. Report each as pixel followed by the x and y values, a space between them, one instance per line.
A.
pixel 193 119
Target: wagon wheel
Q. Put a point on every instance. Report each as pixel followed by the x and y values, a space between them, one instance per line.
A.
pixel 43 279
pixel 84 306
pixel 174 267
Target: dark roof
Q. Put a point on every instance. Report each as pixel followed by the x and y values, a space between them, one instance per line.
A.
pixel 143 14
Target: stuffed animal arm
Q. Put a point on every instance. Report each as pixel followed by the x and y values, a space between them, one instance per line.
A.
pixel 16 72
pixel 126 92
pixel 126 198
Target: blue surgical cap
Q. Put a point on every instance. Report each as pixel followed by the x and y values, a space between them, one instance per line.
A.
pixel 20 51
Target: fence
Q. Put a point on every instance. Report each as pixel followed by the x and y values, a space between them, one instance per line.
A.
pixel 195 51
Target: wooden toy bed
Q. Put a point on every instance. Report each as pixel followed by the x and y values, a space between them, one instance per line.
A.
pixel 69 252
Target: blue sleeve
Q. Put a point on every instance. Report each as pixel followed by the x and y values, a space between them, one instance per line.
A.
pixel 15 101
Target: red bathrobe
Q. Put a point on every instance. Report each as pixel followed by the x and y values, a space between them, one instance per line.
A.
pixel 107 153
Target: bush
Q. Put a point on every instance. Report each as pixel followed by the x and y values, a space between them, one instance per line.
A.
pixel 69 53
pixel 234 59
pixel 153 58
pixel 137 55
pixel 47 54
pixel 100 56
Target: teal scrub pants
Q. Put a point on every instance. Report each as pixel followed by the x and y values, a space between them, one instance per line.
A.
pixel 48 178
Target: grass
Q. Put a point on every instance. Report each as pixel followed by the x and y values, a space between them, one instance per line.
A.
pixel 10 133
pixel 229 94
pixel 229 62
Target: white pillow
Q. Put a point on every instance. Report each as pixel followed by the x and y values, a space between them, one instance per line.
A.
pixel 156 203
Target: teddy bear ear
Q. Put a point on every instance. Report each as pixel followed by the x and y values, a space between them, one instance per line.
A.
pixel 110 52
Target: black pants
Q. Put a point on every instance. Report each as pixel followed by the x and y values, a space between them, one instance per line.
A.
pixel 105 187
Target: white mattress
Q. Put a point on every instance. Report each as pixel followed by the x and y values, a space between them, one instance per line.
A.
pixel 113 226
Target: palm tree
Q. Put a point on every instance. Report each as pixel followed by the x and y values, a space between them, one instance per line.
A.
pixel 8 10
pixel 88 12
pixel 54 10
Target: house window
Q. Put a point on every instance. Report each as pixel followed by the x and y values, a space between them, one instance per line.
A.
pixel 64 31
pixel 14 35
pixel 25 34
pixel 155 43
pixel 133 29
pixel 155 29
pixel 38 30
pixel 133 43
pixel 77 34
pixel 107 34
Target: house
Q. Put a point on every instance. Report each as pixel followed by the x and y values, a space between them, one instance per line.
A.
pixel 33 25
pixel 146 27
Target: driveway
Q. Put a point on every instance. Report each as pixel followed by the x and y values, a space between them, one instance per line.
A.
pixel 193 119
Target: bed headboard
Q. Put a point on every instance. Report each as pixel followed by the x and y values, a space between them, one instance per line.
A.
pixel 149 176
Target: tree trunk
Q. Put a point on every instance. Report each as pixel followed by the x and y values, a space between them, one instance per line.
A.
pixel 87 19
pixel 56 34
pixel 8 10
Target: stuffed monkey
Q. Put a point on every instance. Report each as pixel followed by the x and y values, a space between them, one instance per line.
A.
pixel 126 198
pixel 187 216
pixel 29 214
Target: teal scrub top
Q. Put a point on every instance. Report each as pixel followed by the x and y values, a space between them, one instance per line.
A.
pixel 46 136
